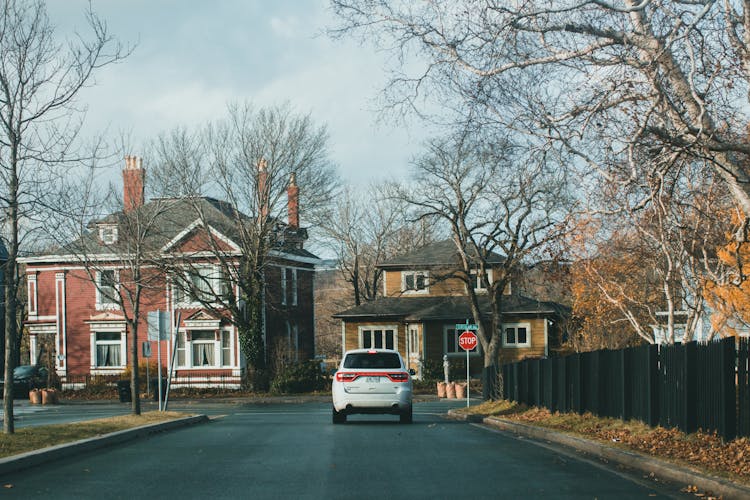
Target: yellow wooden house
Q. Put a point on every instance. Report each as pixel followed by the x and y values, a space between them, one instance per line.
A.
pixel 422 304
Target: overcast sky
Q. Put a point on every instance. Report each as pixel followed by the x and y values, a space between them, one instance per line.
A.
pixel 193 57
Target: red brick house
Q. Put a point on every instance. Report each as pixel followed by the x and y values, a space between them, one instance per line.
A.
pixel 89 331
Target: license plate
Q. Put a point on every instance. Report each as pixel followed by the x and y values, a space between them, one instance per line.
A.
pixel 372 380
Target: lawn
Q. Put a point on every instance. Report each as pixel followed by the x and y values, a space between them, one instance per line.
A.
pixel 704 451
pixel 34 438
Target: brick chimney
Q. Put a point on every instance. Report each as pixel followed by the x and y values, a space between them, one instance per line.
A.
pixel 133 179
pixel 263 194
pixel 292 206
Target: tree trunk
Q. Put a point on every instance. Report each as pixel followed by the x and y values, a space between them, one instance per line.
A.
pixel 135 385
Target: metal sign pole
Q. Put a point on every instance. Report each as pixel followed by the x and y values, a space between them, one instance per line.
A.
pixel 467 378
pixel 158 361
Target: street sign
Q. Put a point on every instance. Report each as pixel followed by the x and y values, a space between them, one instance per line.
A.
pixel 467 340
pixel 158 325
pixel 466 326
pixel 146 349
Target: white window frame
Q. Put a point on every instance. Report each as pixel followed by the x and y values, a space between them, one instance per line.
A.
pixel 413 340
pixel 100 304
pixel 108 234
pixel 414 274
pixel 214 348
pixel 228 334
pixel 108 327
pixel 516 326
pixel 457 350
pixel 215 277
pixel 478 285
pixel 218 349
pixel 374 328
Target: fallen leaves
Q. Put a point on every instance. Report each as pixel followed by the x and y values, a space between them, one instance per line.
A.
pixel 704 450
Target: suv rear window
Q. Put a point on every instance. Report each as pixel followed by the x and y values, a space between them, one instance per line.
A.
pixel 376 360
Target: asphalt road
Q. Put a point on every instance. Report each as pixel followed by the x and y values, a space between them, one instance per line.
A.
pixel 293 451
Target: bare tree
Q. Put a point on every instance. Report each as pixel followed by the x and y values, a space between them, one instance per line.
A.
pixel 249 160
pixel 366 228
pixel 504 210
pixel 40 78
pixel 607 76
pixel 653 252
pixel 121 253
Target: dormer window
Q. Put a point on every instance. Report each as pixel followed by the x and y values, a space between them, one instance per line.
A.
pixel 415 281
pixel 108 234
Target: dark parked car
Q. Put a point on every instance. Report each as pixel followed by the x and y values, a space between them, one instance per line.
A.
pixel 26 378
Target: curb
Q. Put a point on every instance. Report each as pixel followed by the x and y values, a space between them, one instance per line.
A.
pixel 29 459
pixel 628 458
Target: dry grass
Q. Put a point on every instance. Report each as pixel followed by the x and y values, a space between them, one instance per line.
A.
pixel 34 438
pixel 703 451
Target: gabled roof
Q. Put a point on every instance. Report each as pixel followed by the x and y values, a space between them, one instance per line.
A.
pixel 439 253
pixel 174 218
pixel 447 308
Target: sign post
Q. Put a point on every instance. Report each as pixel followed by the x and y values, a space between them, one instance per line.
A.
pixel 467 341
pixel 157 331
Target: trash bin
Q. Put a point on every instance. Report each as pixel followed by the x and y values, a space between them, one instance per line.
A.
pixel 123 390
pixel 155 388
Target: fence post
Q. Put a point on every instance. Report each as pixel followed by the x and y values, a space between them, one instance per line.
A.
pixel 728 388
pixel 690 394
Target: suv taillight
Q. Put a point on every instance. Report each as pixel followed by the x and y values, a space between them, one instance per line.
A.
pixel 399 377
pixel 345 377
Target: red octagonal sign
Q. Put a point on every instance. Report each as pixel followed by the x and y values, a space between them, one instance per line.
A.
pixel 467 340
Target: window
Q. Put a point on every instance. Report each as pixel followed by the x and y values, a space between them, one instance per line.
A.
pixel 378 338
pixel 479 284
pixel 203 343
pixel 108 234
pixel 292 340
pixel 380 360
pixel 450 342
pixel 109 349
pixel 517 335
pixel 283 285
pixel 294 287
pixel 203 283
pixel 106 289
pixel 226 348
pixel 288 286
pixel 414 281
pixel 181 359
pixel 205 348
pixel 413 340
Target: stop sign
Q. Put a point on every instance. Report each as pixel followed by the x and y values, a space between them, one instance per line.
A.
pixel 467 340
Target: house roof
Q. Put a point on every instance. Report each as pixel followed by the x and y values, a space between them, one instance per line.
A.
pixel 446 308
pixel 171 217
pixel 439 253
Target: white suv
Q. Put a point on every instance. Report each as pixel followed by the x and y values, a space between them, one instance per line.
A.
pixel 372 381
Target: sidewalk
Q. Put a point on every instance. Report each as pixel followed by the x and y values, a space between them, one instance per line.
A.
pixel 627 458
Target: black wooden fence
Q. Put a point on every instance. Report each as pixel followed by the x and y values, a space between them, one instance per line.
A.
pixel 689 386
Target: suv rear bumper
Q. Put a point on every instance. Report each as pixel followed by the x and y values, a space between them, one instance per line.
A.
pixel 374 403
